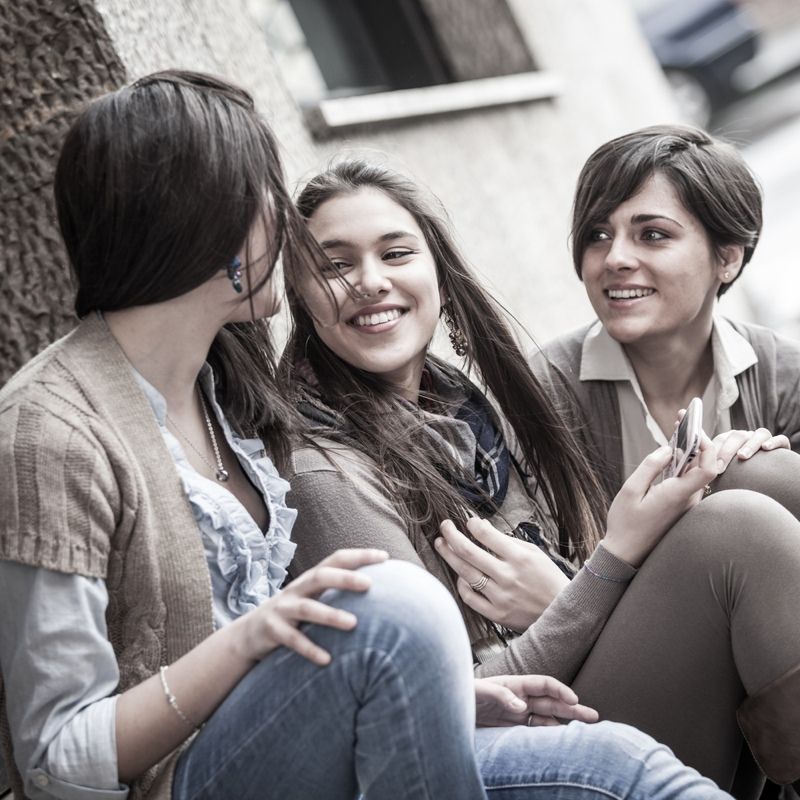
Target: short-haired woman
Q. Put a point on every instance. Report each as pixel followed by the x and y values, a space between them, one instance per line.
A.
pixel 664 221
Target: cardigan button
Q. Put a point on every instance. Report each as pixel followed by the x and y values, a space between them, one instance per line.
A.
pixel 41 780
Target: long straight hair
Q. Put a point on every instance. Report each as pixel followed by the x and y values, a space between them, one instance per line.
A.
pixel 157 187
pixel 373 420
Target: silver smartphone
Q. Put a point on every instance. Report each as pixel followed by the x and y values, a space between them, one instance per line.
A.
pixel 685 442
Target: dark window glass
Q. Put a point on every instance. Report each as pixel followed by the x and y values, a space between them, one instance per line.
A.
pixel 371 45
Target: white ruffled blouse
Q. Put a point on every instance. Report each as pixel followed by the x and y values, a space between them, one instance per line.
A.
pixel 247 565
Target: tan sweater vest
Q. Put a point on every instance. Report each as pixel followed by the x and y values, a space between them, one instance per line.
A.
pixel 89 488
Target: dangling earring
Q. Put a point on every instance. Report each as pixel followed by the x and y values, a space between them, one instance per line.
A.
pixel 235 274
pixel 457 338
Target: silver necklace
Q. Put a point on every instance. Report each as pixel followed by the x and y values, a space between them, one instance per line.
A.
pixel 220 473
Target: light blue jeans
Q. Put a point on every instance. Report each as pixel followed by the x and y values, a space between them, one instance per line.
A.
pixel 393 716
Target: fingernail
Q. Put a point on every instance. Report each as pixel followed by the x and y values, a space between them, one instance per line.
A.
pixel 745 452
pixel 720 465
pixel 438 542
pixel 518 705
pixel 768 445
pixel 664 450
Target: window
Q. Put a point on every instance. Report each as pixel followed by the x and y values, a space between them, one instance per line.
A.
pixel 357 62
pixel 366 46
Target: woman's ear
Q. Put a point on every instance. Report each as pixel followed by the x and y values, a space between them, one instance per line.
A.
pixel 729 262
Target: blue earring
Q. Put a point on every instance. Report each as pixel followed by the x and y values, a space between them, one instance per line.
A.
pixel 235 274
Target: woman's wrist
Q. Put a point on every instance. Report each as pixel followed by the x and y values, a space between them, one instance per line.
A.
pixel 614 559
pixel 243 640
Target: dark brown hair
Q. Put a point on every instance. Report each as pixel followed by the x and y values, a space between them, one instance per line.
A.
pixel 710 177
pixel 156 189
pixel 377 423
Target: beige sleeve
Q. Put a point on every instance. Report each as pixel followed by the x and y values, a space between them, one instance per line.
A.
pixel 59 496
pixel 340 503
pixel 559 641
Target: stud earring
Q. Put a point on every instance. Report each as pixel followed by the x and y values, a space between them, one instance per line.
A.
pixel 235 274
pixel 456 335
pixel 726 276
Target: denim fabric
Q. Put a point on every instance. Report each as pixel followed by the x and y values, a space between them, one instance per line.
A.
pixel 393 716
pixel 583 762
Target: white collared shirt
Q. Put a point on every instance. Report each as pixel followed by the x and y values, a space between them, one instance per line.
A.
pixel 604 359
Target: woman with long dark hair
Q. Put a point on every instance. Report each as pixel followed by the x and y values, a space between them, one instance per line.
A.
pixel 401 443
pixel 147 645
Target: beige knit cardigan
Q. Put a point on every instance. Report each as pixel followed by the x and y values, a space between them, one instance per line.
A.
pixel 89 488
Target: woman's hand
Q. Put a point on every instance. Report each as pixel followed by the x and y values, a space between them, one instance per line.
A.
pixel 745 444
pixel 275 622
pixel 527 700
pixel 642 512
pixel 522 580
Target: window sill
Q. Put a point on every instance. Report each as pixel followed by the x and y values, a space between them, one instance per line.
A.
pixel 338 114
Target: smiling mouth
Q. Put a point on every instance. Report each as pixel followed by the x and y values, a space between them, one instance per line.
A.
pixel 628 294
pixel 380 318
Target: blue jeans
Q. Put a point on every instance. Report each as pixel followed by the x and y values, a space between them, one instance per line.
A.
pixel 584 762
pixel 393 716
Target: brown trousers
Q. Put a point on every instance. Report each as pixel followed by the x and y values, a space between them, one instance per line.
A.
pixel 712 616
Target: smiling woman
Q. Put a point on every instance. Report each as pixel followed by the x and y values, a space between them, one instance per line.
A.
pixel 664 221
pixel 384 324
pixel 405 452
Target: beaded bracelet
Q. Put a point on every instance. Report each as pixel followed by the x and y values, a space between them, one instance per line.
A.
pixel 172 700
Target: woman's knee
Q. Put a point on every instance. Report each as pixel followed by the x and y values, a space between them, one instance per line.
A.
pixel 775 474
pixel 733 524
pixel 405 603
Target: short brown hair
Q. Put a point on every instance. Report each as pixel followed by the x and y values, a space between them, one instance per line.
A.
pixel 710 176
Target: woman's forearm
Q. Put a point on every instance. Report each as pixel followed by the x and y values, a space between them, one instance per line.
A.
pixel 558 642
pixel 148 728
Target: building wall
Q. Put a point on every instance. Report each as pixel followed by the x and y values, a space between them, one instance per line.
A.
pixel 505 174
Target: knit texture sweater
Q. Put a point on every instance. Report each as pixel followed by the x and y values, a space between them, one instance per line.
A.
pixel 769 396
pixel 90 489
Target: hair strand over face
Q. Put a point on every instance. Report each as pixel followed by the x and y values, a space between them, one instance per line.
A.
pixel 416 472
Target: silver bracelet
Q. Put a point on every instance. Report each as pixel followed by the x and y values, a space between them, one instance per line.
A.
pixel 172 701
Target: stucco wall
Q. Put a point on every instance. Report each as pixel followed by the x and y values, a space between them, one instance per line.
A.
pixel 504 174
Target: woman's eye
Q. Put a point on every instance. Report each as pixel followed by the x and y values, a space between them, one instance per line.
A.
pixel 335 267
pixel 397 254
pixel 598 236
pixel 654 236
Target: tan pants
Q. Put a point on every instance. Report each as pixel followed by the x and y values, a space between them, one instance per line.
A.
pixel 712 615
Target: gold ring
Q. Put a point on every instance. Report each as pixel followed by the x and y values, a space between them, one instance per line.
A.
pixel 478 586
